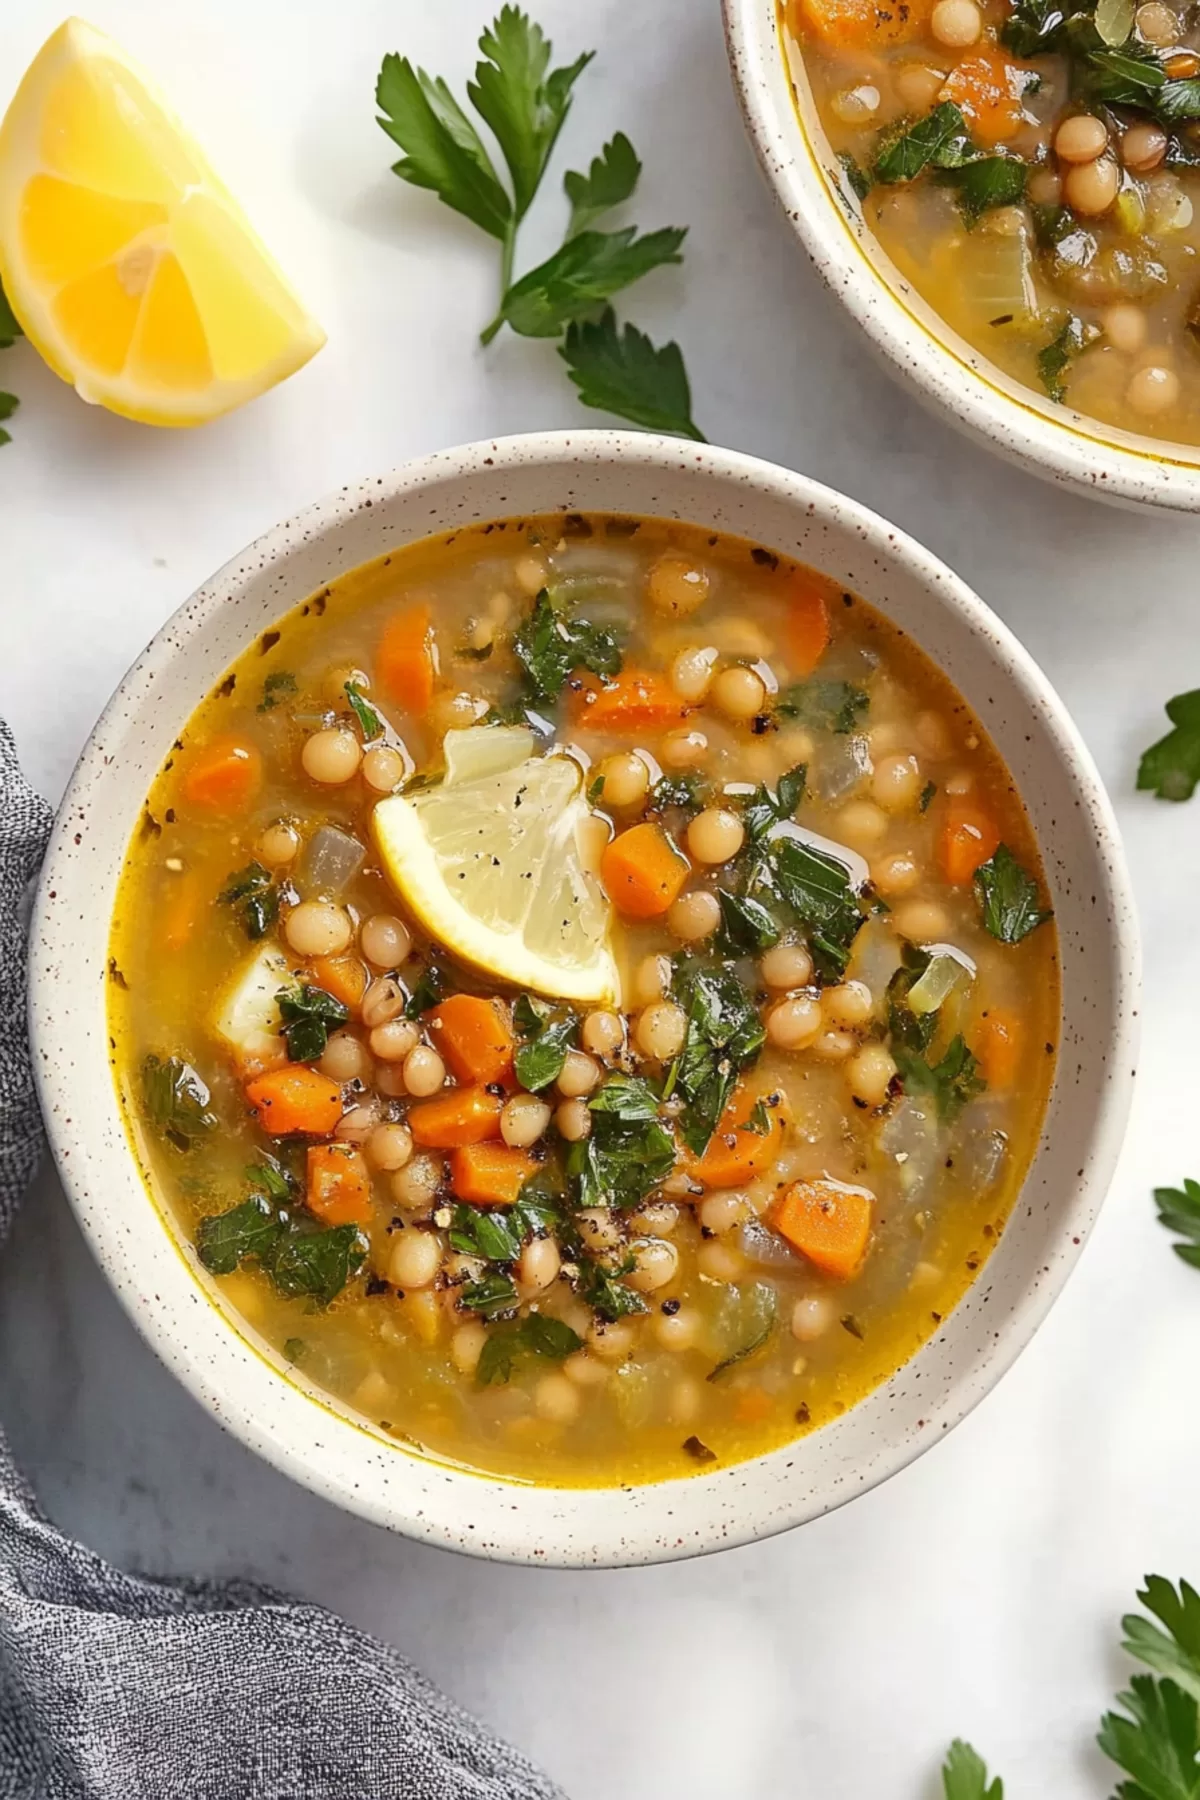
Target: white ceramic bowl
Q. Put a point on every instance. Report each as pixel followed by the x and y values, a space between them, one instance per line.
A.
pixel 1064 446
pixel 245 1383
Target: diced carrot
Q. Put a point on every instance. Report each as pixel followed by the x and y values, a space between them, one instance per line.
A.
pixel 969 837
pixel 406 660
pixel 182 907
pixel 296 1100
pixel 861 24
pixel 342 976
pixel 753 1405
pixel 807 625
pixel 735 1153
pixel 828 1223
pixel 475 1036
pixel 490 1174
pixel 998 1046
pixel 643 871
pixel 339 1186
pixel 987 87
pixel 465 1115
pixel 224 776
pixel 635 701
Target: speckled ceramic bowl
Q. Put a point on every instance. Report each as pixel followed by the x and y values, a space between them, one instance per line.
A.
pixel 239 1377
pixel 1049 440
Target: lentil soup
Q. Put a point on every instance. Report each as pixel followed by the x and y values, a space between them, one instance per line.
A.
pixel 1032 171
pixel 582 986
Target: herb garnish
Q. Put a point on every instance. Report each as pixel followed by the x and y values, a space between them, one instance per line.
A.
pixel 607 1295
pixel 276 688
pixel 539 1060
pixel 1171 768
pixel 724 1036
pixel 939 139
pixel 525 104
pixel 311 1263
pixel 989 181
pixel 690 792
pixel 493 1294
pixel 309 1014
pixel 1179 1210
pixel 177 1100
pixel 949 1083
pixel 746 925
pixel 535 1335
pixel 622 1159
pixel 549 646
pixel 430 987
pixel 253 893
pixel 856 175
pixel 821 895
pixel 251 1229
pixel 10 331
pixel 1056 358
pixel 370 720
pixel 965 1776
pixel 1009 897
pixel 823 705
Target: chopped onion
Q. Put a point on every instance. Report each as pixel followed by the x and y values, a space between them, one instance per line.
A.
pixel 840 767
pixel 765 1247
pixel 947 970
pixel 331 860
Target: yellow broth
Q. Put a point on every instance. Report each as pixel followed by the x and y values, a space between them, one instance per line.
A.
pixel 1077 272
pixel 744 1342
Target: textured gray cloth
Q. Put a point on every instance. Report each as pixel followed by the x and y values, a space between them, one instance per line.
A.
pixel 116 1687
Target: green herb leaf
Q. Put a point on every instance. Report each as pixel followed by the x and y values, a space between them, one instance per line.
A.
pixel 535 1335
pixel 549 647
pixel 491 1295
pixel 540 1061
pixel 759 1121
pixel 911 1031
pixel 8 406
pixel 628 1097
pixel 623 372
pixel 443 151
pixel 493 1235
pixel 529 1014
pixel 1056 358
pixel 431 986
pixel 524 105
pixel 584 272
pixel 621 1161
pixel 746 926
pixel 819 891
pixel 933 138
pixel 608 1296
pixel 269 1177
pixel 1175 1652
pixel 857 177
pixel 252 892
pixel 989 181
pixel 10 329
pixel 250 1230
pixel 1175 103
pixel 276 688
pixel 317 1264
pixel 1156 1740
pixel 1034 27
pixel 965 1776
pixel 766 808
pixel 177 1100
pixel 1131 76
pixel 309 1014
pixel 824 705
pixel 927 794
pixel 609 182
pixel 1009 897
pixel 949 1084
pixel 370 721
pixel 758 1317
pixel 1171 768
pixel 1179 1210
pixel 724 1036
pixel 689 792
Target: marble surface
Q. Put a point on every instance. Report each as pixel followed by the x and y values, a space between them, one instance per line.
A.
pixel 977 1593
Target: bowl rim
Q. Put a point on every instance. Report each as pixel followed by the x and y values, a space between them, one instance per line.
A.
pixel 597 1526
pixel 1061 445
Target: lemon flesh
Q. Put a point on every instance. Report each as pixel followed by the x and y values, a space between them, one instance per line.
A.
pixel 492 869
pixel 130 266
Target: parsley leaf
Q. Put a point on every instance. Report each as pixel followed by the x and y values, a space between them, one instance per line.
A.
pixel 539 1060
pixel 623 372
pixel 582 273
pixel 689 792
pixel 249 1230
pixel 493 1294
pixel 1009 897
pixel 443 151
pixel 819 891
pixel 549 647
pixel 317 1264
pixel 524 105
pixel 1171 768
pixel 628 1097
pixel 10 329
pixel 909 1030
pixel 823 705
pixel 278 685
pixel 965 1776
pixel 1179 1210
pixel 430 987
pixel 609 182
pixel 988 181
pixel 8 406
pixel 949 1084
pixel 621 1161
pixel 856 175
pixel 724 1036
pixel 937 138
pixel 746 925
pixel 496 1236
pixel 370 721
pixel 177 1100
pixel 256 898
pixel 268 1176
pixel 1156 1740
pixel 1175 1652
pixel 535 1335
pixel 609 1297
pixel 309 1014
pixel 1054 360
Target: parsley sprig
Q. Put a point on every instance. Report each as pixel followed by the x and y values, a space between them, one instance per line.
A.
pixel 10 331
pixel 1179 1211
pixel 525 103
pixel 1171 768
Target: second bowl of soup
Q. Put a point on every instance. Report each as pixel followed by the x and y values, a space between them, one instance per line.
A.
pixel 585 992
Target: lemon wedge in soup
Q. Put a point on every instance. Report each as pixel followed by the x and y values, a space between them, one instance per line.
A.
pixel 492 868
pixel 131 268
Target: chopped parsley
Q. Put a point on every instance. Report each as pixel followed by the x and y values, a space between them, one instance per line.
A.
pixel 821 896
pixel 549 646
pixel 1055 359
pixel 492 1295
pixel 948 1083
pixel 309 1014
pixel 535 1335
pixel 724 1036
pixel 1009 897
pixel 301 1261
pixel 276 688
pixel 539 1060
pixel 824 705
pixel 939 139
pixel 1171 767
pixel 177 1100
pixel 255 898
pixel 370 720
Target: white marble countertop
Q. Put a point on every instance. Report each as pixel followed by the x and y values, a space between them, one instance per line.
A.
pixel 978 1593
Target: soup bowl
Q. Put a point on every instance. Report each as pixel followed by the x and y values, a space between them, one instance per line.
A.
pixel 946 371
pixel 245 1383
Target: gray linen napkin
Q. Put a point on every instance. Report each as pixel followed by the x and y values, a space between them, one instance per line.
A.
pixel 118 1687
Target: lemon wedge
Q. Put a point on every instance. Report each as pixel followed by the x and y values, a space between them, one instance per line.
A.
pixel 131 268
pixel 492 869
